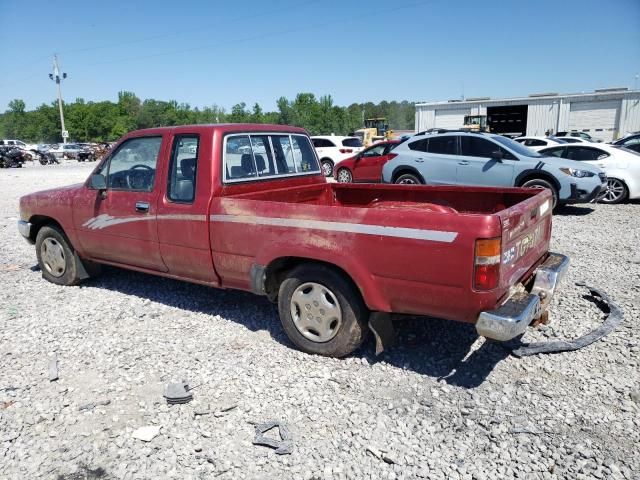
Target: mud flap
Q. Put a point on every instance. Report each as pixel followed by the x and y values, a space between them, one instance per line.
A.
pixel 613 319
pixel 382 327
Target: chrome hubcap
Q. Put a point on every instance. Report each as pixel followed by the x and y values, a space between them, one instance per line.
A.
pixel 407 181
pixel 326 168
pixel 316 312
pixel 52 255
pixel 344 176
pixel 615 190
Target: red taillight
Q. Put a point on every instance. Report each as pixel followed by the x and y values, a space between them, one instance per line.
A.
pixel 487 263
pixel 346 150
pixel 391 156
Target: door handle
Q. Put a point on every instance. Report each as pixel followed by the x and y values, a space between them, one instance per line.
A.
pixel 419 160
pixel 142 207
pixel 463 163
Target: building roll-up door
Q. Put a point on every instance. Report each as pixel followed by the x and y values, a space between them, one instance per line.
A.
pixel 451 118
pixel 598 118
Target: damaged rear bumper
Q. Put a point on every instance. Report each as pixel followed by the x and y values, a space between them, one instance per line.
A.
pixel 514 316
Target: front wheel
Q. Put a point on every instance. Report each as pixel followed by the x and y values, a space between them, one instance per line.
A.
pixel 56 257
pixel 616 192
pixel 321 311
pixel 541 183
pixel 344 176
pixel 327 167
pixel 408 179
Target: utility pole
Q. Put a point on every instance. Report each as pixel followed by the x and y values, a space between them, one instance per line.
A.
pixel 55 76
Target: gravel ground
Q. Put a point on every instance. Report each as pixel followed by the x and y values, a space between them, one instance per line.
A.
pixel 443 404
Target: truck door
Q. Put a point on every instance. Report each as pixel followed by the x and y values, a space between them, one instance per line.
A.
pixel 183 226
pixel 119 224
pixel 477 167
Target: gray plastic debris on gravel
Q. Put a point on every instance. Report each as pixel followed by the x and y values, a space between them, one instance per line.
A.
pixel 441 404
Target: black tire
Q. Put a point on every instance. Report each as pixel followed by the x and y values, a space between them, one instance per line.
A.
pixel 51 242
pixel 542 183
pixel 327 167
pixel 617 192
pixel 352 329
pixel 408 179
pixel 343 175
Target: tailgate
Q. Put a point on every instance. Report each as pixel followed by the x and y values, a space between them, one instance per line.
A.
pixel 526 232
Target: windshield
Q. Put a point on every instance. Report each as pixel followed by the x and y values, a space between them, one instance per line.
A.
pixel 516 147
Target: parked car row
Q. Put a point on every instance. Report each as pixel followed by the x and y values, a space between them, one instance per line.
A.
pixel 573 168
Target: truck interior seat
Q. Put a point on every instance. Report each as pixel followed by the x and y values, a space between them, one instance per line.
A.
pixel 248 168
pixel 260 163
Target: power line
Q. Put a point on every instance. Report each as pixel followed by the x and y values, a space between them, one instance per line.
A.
pixel 270 12
pixel 258 37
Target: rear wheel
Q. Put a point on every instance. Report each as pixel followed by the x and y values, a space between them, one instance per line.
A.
pixel 327 167
pixel 56 257
pixel 616 191
pixel 542 183
pixel 321 311
pixel 408 179
pixel 344 176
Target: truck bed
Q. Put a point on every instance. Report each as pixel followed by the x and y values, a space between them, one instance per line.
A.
pixel 443 199
pixel 396 242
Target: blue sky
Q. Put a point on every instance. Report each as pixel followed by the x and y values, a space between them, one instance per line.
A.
pixel 207 52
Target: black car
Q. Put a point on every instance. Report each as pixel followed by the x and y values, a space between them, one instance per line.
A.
pixel 631 142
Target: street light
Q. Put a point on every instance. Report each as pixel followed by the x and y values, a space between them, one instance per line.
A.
pixel 56 77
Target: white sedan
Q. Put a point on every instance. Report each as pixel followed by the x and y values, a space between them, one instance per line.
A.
pixel 538 143
pixel 621 165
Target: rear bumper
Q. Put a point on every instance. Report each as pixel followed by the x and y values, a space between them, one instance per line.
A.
pixel 516 314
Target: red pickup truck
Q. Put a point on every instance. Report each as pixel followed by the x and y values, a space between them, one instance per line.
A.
pixel 247 207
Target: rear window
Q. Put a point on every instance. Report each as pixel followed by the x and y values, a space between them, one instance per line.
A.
pixel 442 145
pixel 351 142
pixel 322 143
pixel 267 155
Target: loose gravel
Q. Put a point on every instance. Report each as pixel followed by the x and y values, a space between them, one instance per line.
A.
pixel 442 404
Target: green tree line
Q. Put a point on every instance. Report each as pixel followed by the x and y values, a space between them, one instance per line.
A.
pixel 107 121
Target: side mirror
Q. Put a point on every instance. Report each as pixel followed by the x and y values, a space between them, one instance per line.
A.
pixel 98 182
pixel 497 155
pixel 358 156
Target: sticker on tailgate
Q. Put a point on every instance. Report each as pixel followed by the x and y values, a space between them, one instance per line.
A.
pixel 522 246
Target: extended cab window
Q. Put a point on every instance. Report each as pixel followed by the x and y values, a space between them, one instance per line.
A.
pixel 255 156
pixel 133 165
pixel 182 169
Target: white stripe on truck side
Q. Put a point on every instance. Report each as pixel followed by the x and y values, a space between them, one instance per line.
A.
pixel 399 232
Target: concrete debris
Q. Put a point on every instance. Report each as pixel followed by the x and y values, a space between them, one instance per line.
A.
pixel 146 434
pixel 53 368
pixel 284 446
pixel 92 405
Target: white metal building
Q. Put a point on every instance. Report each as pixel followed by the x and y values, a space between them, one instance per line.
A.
pixel 605 114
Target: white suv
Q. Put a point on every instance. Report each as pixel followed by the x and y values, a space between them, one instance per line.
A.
pixel 19 143
pixel 332 149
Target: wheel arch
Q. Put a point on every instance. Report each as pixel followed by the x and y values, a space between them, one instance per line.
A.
pixel 532 174
pixel 275 270
pixel 402 169
pixel 39 221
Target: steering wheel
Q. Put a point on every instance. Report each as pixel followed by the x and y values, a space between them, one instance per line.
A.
pixel 134 167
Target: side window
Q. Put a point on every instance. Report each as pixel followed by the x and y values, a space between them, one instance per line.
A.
pixel 585 154
pixel 133 165
pixel 553 152
pixel 374 151
pixel 238 157
pixel 181 185
pixel 303 155
pixel 419 145
pixel 631 141
pixel 443 145
pixel 254 156
pixel 477 147
pixel 390 147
